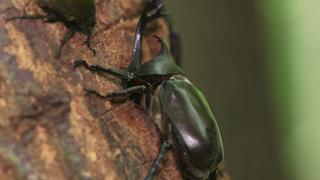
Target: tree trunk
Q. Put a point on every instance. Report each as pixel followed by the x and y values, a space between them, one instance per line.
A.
pixel 49 129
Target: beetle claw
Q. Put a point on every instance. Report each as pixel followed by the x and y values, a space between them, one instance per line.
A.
pixel 87 93
pixel 79 63
pixel 88 44
pixel 91 91
pixel 110 96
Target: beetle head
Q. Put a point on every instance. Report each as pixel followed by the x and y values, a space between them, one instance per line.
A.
pixel 160 65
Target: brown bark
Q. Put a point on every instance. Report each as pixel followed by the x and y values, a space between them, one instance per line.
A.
pixel 48 128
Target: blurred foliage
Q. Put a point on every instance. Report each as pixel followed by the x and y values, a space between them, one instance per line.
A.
pixel 257 63
pixel 293 45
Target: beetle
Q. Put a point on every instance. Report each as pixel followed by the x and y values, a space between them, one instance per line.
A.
pixel 77 15
pixel 177 107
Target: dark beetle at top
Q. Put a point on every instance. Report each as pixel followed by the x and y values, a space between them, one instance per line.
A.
pixel 77 15
pixel 175 104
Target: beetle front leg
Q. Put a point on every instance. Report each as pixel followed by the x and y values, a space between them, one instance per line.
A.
pixel 98 68
pixel 130 90
pixel 160 156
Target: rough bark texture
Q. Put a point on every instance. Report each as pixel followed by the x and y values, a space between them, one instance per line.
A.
pixel 48 128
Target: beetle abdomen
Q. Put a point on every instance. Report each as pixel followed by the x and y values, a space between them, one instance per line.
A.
pixel 191 117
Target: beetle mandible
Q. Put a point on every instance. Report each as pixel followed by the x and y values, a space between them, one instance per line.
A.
pixel 178 108
pixel 77 15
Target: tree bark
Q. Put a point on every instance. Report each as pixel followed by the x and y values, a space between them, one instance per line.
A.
pixel 49 129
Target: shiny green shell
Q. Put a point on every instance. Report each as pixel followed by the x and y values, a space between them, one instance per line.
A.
pixel 193 124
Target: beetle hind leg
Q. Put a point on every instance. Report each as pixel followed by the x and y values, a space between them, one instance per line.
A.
pixel 213 176
pixel 160 156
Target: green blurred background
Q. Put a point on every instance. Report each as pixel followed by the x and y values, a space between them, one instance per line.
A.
pixel 257 63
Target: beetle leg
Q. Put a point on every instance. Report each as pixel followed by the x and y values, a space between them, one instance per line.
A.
pixel 98 68
pixel 47 18
pixel 27 16
pixel 213 175
pixel 130 90
pixel 65 39
pixel 155 165
pixel 88 43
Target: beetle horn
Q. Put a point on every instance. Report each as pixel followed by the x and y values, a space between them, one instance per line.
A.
pixel 144 20
pixel 164 47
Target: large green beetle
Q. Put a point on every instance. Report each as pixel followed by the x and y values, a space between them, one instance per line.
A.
pixel 77 15
pixel 175 104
